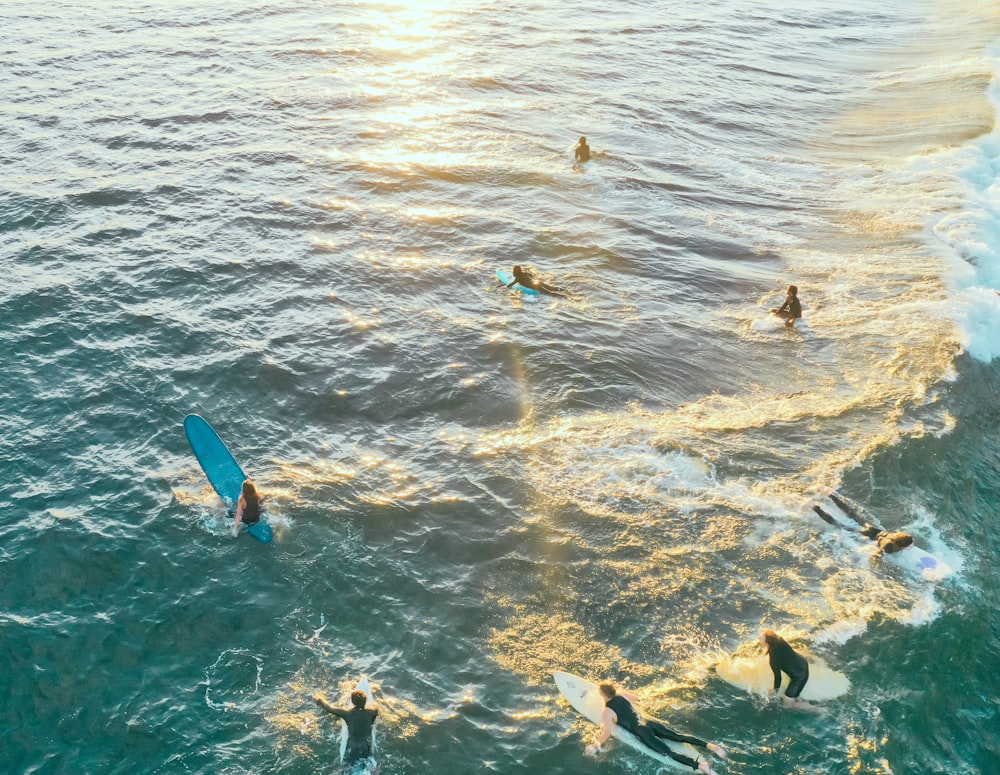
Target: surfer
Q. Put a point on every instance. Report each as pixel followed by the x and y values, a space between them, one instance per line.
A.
pixel 889 542
pixel 248 507
pixel 359 721
pixel 618 709
pixel 784 659
pixel 791 310
pixel 525 279
pixel 582 151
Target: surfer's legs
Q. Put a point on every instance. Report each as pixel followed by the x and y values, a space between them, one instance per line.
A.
pixel 662 730
pixel 797 684
pixel 651 740
pixel 357 753
pixel 792 699
pixel 848 509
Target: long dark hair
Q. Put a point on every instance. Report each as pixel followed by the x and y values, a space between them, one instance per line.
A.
pixel 250 494
pixel 771 638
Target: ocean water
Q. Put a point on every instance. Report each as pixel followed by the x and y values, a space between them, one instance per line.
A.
pixel 287 218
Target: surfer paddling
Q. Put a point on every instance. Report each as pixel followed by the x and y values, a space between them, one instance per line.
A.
pixel 889 542
pixel 248 507
pixel 619 710
pixel 359 721
pixel 791 310
pixel 784 659
pixel 524 278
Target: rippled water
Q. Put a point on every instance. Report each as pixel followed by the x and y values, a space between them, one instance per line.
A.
pixel 288 218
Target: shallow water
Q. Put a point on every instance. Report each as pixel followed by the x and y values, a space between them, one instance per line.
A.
pixel 288 218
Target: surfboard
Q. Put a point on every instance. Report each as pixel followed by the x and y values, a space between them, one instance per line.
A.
pixel 912 558
pixel 362 686
pixel 753 674
pixel 221 468
pixel 508 277
pixel 770 323
pixel 586 700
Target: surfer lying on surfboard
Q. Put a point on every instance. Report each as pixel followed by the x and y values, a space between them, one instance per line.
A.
pixel 618 710
pixel 888 542
pixel 524 278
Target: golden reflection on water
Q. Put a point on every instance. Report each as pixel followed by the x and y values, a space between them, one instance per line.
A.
pixel 539 642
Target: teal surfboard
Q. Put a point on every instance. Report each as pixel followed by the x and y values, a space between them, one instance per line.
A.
pixel 508 277
pixel 220 467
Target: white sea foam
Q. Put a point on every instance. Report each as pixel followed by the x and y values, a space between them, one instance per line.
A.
pixel 971 236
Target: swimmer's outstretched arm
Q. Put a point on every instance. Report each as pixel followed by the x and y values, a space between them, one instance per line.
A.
pixel 322 702
pixel 240 506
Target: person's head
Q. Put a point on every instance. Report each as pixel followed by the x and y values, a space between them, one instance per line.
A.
pixel 583 141
pixel 793 290
pixel 607 690
pixel 768 638
pixel 250 491
pixel 358 699
pixel 896 542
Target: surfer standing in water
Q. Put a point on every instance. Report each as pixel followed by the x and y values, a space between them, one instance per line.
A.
pixel 525 279
pixel 784 659
pixel 248 507
pixel 582 151
pixel 359 721
pixel 791 310
pixel 619 710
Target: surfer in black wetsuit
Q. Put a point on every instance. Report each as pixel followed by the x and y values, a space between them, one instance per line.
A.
pixel 582 151
pixel 619 710
pixel 524 278
pixel 359 722
pixel 784 659
pixel 248 507
pixel 889 542
pixel 791 310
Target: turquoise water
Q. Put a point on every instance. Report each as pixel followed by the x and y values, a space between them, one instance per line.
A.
pixel 287 218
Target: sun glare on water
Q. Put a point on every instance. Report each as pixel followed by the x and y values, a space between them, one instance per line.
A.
pixel 411 101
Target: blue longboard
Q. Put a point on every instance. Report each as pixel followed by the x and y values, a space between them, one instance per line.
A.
pixel 221 468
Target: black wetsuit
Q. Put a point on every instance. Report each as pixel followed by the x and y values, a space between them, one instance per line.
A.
pixel 359 732
pixel 251 512
pixel 650 731
pixel 783 657
pixel 526 280
pixel 791 309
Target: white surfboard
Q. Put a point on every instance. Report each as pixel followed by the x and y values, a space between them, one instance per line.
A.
pixel 771 323
pixel 924 563
pixel 753 674
pixel 912 558
pixel 362 686
pixel 586 699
